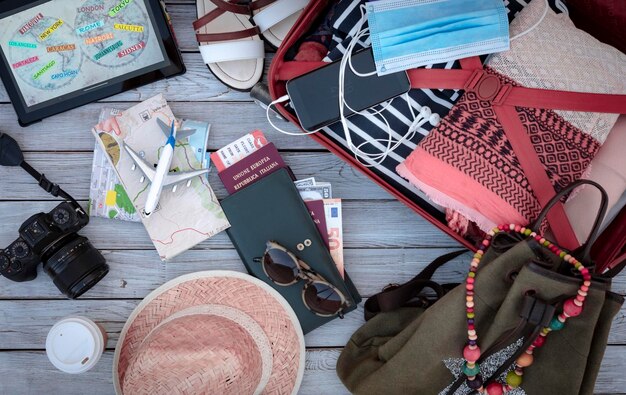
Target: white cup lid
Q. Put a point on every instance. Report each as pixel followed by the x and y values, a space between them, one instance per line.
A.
pixel 74 344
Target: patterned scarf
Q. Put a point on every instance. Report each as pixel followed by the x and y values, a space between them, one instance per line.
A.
pixel 467 163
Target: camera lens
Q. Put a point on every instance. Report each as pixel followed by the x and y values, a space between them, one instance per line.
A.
pixel 75 265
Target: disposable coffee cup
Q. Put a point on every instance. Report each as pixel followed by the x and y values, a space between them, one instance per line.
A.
pixel 75 344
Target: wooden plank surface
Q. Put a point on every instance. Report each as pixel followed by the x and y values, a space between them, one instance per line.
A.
pixel 135 273
pixel 41 377
pixel 385 241
pixel 320 378
pixel 71 131
pixel 347 182
pixel 368 224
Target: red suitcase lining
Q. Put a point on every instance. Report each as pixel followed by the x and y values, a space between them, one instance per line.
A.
pixel 280 71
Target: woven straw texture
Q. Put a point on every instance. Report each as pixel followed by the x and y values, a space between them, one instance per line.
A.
pixel 176 357
pixel 206 353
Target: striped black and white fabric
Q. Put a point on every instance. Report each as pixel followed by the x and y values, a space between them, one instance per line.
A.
pixel 366 128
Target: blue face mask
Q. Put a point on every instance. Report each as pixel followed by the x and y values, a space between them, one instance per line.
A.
pixel 410 33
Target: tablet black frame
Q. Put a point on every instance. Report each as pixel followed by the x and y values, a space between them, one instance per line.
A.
pixel 164 32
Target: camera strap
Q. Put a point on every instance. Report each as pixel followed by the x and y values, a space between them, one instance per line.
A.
pixel 47 185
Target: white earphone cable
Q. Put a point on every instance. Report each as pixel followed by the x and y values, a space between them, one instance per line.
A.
pixel 389 144
pixel 283 99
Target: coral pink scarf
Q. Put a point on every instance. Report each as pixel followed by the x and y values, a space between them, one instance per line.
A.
pixel 502 151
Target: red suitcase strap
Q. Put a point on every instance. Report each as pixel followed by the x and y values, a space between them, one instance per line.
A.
pixel 536 175
pixel 614 267
pixel 610 247
pixel 504 99
pixel 474 79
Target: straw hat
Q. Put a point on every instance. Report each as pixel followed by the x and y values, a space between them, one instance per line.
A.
pixel 213 332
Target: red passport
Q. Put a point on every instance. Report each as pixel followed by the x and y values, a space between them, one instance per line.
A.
pixel 252 168
pixel 316 209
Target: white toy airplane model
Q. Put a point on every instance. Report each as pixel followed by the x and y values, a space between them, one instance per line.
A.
pixel 161 177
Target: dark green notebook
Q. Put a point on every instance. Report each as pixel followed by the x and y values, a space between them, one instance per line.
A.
pixel 272 209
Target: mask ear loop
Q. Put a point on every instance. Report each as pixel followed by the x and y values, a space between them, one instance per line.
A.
pixel 543 16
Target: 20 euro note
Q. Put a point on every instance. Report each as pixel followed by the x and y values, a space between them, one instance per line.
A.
pixel 334 223
pixel 315 192
pixel 306 182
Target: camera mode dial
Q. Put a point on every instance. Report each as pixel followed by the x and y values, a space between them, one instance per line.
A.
pixel 61 216
pixel 20 250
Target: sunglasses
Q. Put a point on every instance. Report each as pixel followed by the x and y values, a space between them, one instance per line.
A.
pixel 318 295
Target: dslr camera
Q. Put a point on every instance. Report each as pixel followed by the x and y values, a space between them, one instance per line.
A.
pixel 69 258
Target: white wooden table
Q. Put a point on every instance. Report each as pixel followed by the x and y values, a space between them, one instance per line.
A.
pixel 385 241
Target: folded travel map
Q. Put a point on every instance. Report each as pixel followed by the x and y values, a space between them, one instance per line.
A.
pixel 107 197
pixel 185 216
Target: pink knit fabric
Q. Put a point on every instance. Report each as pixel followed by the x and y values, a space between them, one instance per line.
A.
pixel 468 163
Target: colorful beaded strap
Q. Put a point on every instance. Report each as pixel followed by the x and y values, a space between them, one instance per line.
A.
pixel 571 308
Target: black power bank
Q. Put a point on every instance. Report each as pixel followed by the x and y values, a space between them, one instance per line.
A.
pixel 315 95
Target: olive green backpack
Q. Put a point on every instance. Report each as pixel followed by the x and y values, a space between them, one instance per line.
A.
pixel 414 338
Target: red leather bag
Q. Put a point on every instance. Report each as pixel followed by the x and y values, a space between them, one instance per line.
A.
pixel 603 19
pixel 471 77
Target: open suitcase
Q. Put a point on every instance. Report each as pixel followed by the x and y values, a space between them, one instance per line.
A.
pixel 609 248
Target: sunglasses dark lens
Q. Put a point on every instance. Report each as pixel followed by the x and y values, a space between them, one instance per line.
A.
pixel 322 298
pixel 280 266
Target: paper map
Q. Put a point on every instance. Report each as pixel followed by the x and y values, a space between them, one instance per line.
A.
pixel 183 218
pixel 107 197
pixel 62 46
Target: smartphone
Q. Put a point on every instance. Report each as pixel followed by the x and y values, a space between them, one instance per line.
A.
pixel 315 96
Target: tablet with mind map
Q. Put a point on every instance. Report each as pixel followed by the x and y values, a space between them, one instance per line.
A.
pixel 62 49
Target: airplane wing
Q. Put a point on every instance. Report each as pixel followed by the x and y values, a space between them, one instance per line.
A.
pixel 184 134
pixel 181 134
pixel 177 178
pixel 146 168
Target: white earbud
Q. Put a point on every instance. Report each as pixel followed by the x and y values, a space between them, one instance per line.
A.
pixel 434 119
